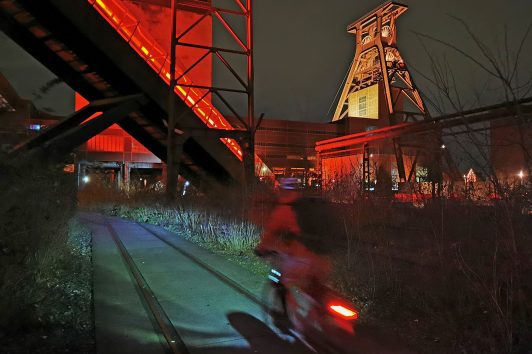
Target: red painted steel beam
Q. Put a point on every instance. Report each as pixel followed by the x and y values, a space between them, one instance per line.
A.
pixel 217 49
pixel 78 135
pixel 436 124
pixel 213 88
pixel 231 31
pixel 191 5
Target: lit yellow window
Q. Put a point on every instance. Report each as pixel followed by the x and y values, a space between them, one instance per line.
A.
pixel 364 103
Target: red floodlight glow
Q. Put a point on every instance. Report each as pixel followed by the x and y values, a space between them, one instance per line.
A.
pixel 128 27
pixel 343 311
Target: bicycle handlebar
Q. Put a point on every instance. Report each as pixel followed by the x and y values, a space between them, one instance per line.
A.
pixel 265 253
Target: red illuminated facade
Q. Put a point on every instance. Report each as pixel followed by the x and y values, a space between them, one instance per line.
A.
pixel 121 15
pixel 147 28
pixel 114 144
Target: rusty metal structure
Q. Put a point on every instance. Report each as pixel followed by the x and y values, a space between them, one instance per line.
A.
pixel 379 66
pixel 241 13
pixel 101 50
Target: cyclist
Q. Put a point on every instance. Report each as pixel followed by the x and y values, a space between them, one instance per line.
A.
pixel 291 238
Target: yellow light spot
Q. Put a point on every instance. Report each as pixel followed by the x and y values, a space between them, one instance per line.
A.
pixel 181 90
pixel 104 7
pixel 344 311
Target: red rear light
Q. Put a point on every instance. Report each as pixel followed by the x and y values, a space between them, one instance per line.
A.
pixel 342 311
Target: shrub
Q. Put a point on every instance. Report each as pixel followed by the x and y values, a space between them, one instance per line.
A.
pixel 37 204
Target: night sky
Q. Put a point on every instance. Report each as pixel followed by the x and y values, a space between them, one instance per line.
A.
pixel 302 51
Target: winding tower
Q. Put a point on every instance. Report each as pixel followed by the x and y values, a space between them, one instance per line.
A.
pixel 379 87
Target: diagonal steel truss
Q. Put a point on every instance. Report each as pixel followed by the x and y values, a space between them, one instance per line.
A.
pixel 378 60
pixel 236 9
pixel 243 12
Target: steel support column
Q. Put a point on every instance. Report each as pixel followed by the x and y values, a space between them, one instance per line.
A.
pixel 126 175
pixel 250 168
pixel 171 156
pixel 366 176
pixel 245 12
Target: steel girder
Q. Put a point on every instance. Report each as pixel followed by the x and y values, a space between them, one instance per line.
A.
pixel 99 65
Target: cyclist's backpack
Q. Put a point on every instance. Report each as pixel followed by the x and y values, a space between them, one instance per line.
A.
pixel 318 223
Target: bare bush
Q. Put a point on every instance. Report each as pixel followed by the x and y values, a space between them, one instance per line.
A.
pixel 37 204
pixel 453 272
pixel 210 221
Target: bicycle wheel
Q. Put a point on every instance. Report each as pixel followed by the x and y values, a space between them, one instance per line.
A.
pixel 274 314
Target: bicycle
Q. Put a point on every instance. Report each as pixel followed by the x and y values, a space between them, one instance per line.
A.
pixel 324 320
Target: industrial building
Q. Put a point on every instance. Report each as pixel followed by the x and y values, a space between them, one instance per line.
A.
pixel 379 126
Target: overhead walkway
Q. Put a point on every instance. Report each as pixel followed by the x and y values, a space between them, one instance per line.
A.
pixel 102 52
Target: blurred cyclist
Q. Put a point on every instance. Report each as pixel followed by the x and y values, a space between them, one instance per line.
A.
pixel 292 238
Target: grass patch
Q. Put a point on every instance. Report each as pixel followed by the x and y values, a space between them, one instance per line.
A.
pixel 226 231
pixel 232 239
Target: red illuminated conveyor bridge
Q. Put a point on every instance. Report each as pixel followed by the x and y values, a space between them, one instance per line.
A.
pixel 99 49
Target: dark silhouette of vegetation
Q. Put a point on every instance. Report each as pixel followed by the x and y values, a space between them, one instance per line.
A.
pixel 45 292
pixel 439 274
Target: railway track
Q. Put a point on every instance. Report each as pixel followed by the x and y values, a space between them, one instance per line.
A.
pixel 158 293
pixel 173 342
pixel 205 266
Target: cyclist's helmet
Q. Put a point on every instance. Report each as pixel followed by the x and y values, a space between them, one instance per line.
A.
pixel 289 183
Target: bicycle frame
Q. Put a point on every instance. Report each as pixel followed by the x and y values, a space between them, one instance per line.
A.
pixel 327 322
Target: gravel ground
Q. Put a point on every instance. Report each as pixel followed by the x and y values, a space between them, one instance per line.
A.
pixel 66 321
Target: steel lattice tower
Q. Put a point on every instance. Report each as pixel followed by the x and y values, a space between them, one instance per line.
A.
pixel 378 64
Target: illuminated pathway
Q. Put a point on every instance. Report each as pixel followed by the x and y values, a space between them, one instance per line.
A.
pixel 208 311
pixel 157 293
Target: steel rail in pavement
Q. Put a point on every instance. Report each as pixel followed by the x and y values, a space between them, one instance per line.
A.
pixel 208 268
pixel 174 341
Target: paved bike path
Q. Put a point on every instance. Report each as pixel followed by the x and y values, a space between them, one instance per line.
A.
pixel 122 324
pixel 210 314
pixel 211 302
